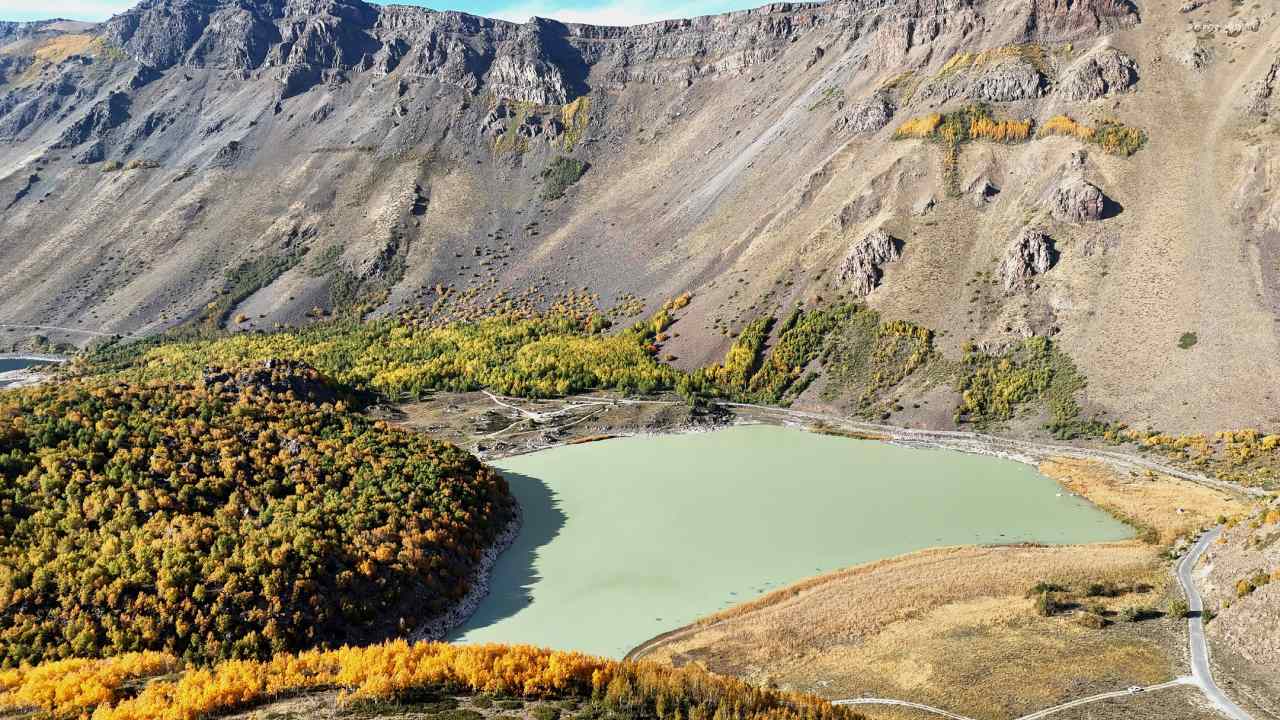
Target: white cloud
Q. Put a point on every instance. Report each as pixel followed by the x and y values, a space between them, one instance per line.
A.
pixel 614 12
pixel 92 10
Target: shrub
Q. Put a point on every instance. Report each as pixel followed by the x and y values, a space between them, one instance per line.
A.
pixel 1047 605
pixel 1112 137
pixel 546 712
pixel 994 387
pixel 1045 587
pixel 560 175
pixel 1139 613
pixel 1188 340
pixel 1178 608
pixel 230 519
pixel 1091 620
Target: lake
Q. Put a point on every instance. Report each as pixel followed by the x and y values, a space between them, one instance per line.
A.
pixel 8 365
pixel 626 539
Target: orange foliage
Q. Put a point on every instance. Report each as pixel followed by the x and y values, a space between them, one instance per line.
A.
pixel 390 669
pixel 1005 131
pixel 919 127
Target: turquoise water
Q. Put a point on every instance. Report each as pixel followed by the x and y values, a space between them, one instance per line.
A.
pixel 626 539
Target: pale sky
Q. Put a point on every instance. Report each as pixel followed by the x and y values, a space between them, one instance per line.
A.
pixel 600 12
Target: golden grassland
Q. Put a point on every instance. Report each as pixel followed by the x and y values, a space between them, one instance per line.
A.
pixel 130 687
pixel 958 628
pixel 1165 506
pixel 58 49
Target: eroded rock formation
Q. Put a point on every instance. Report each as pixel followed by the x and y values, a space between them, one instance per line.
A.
pixel 862 267
pixel 1031 254
pixel 1097 75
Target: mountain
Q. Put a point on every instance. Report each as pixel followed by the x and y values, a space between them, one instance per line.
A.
pixel 252 162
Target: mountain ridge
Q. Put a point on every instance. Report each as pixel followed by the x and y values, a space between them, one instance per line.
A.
pixel 192 162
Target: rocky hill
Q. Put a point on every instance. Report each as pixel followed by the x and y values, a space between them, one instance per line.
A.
pixel 252 162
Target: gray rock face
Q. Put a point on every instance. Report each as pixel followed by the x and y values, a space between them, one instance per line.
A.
pixel 101 119
pixel 1097 75
pixel 1007 82
pixel 1030 254
pixel 1075 200
pixel 862 267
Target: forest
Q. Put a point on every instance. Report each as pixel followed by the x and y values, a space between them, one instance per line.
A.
pixel 237 516
pixel 129 687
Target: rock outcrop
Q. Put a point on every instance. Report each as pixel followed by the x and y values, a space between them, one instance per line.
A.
pixel 862 267
pixel 866 117
pixel 1070 198
pixel 1098 75
pixel 1031 254
pixel 101 118
pixel 1075 200
pixel 1007 82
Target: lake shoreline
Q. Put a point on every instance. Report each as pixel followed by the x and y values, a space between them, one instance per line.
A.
pixel 29 375
pixel 1028 452
pixel 578 494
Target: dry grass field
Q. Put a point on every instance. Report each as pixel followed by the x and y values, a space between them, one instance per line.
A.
pixel 958 628
pixel 1168 506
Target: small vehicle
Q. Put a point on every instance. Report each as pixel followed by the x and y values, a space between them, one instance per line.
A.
pixel 1135 689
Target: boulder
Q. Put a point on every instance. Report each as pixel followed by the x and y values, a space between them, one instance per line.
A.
pixel 1097 75
pixel 863 265
pixel 1076 200
pixel 1030 254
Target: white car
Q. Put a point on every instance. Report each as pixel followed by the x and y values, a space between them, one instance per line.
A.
pixel 1135 689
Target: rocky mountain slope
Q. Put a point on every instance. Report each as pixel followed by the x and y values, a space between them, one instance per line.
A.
pixel 249 162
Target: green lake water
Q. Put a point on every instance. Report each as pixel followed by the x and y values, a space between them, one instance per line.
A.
pixel 629 538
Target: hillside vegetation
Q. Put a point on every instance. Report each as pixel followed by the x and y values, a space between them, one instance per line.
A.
pixel 236 517
pixel 399 672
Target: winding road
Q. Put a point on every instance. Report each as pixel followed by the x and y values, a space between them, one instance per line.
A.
pixel 95 333
pixel 1201 674
pixel 1200 670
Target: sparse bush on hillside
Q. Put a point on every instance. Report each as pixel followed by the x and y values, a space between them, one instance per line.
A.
pixel 562 173
pixel 994 387
pixel 864 357
pixel 246 279
pixel 1112 137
